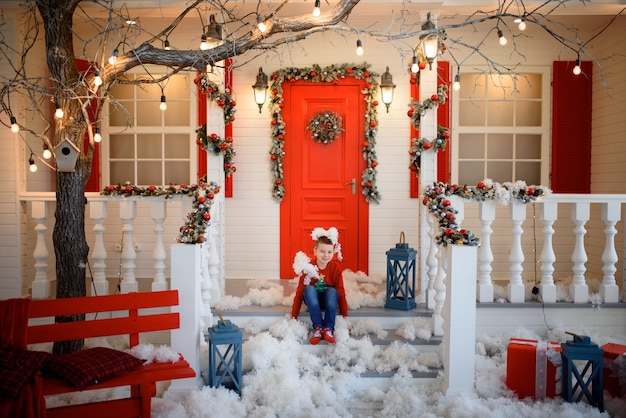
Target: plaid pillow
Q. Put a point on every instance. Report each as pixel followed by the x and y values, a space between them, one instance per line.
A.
pixel 88 367
pixel 18 368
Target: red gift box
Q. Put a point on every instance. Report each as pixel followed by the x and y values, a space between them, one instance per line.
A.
pixel 614 369
pixel 533 368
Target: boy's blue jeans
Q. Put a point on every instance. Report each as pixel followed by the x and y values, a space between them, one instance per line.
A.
pixel 316 301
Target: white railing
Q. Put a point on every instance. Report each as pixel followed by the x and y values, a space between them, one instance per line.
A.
pixel 530 250
pixel 104 215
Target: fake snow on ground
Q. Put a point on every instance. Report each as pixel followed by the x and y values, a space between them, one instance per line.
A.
pixel 286 381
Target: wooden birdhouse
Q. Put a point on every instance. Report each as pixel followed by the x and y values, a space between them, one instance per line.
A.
pixel 66 154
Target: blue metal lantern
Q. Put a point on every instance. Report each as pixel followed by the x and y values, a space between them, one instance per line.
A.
pixel 225 355
pixel 401 276
pixel 577 382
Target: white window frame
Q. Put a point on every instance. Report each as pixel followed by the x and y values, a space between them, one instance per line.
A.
pixel 190 129
pixel 543 130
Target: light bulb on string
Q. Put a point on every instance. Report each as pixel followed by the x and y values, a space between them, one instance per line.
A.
pixel 113 57
pixel 359 47
pixel 58 113
pixel 456 86
pixel 15 128
pixel 97 81
pixel 577 70
pixel 203 44
pixel 166 44
pixel 31 162
pixel 47 154
pixel 415 66
pixel 163 105
pixel 503 41
pixel 316 9
pixel 96 136
pixel 260 24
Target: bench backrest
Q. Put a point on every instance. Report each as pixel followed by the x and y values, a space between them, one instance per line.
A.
pixel 126 318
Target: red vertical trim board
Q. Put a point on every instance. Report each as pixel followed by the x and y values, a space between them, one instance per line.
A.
pixel 93 183
pixel 443 119
pixel 571 128
pixel 202 155
pixel 228 129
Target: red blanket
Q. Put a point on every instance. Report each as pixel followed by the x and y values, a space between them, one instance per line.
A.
pixel 13 328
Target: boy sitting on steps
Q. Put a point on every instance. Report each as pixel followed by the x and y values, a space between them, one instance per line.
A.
pixel 321 284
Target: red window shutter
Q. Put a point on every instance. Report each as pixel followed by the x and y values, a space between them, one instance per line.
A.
pixel 443 119
pixel 571 128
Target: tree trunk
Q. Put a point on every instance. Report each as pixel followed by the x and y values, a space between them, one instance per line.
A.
pixel 70 245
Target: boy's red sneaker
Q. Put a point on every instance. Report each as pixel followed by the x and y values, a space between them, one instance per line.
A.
pixel 317 336
pixel 328 336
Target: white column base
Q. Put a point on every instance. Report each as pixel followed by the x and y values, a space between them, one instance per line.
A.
pixel 516 293
pixel 579 293
pixel 548 293
pixel 485 293
pixel 609 293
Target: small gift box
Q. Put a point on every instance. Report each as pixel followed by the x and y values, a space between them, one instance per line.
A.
pixel 533 368
pixel 614 365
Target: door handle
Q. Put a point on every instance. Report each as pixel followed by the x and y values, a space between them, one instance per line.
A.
pixel 353 183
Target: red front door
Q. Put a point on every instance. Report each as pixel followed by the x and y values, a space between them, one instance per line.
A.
pixel 323 181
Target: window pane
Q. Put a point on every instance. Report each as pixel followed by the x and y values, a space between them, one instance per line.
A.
pixel 472 85
pixel 528 114
pixel 149 114
pixel 149 146
pixel 177 114
pixel 471 113
pixel 177 88
pixel 471 146
pixel 528 146
pixel 149 172
pixel 500 171
pixel 528 171
pixel 177 146
pixel 500 114
pixel 119 116
pixel 122 146
pixel 499 146
pixel 471 172
pixel 149 91
pixel 529 86
pixel 122 171
pixel 177 172
pixel 122 91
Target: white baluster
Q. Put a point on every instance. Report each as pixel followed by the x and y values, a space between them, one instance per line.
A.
pixel 578 288
pixel 431 262
pixel 547 289
pixel 487 214
pixel 41 284
pixel 440 294
pixel 516 256
pixel 98 212
pixel 128 210
pixel 608 288
pixel 158 210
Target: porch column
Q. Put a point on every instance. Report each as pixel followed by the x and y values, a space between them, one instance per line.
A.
pixel 428 166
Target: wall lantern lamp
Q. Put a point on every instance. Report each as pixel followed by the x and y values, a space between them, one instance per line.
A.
pixel 260 88
pixel 214 30
pixel 430 41
pixel 386 88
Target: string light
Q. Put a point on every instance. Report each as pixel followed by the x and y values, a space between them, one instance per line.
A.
pixel 316 9
pixel 456 86
pixel 15 128
pixel 163 105
pixel 31 162
pixel 97 81
pixel 503 41
pixel 521 24
pixel 47 154
pixel 415 66
pixel 113 58
pixel 359 47
pixel 577 70
pixel 96 136
pixel 166 44
pixel 260 24
pixel 58 113
pixel 203 45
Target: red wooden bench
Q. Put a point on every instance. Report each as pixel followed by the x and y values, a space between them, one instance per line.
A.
pixel 127 320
